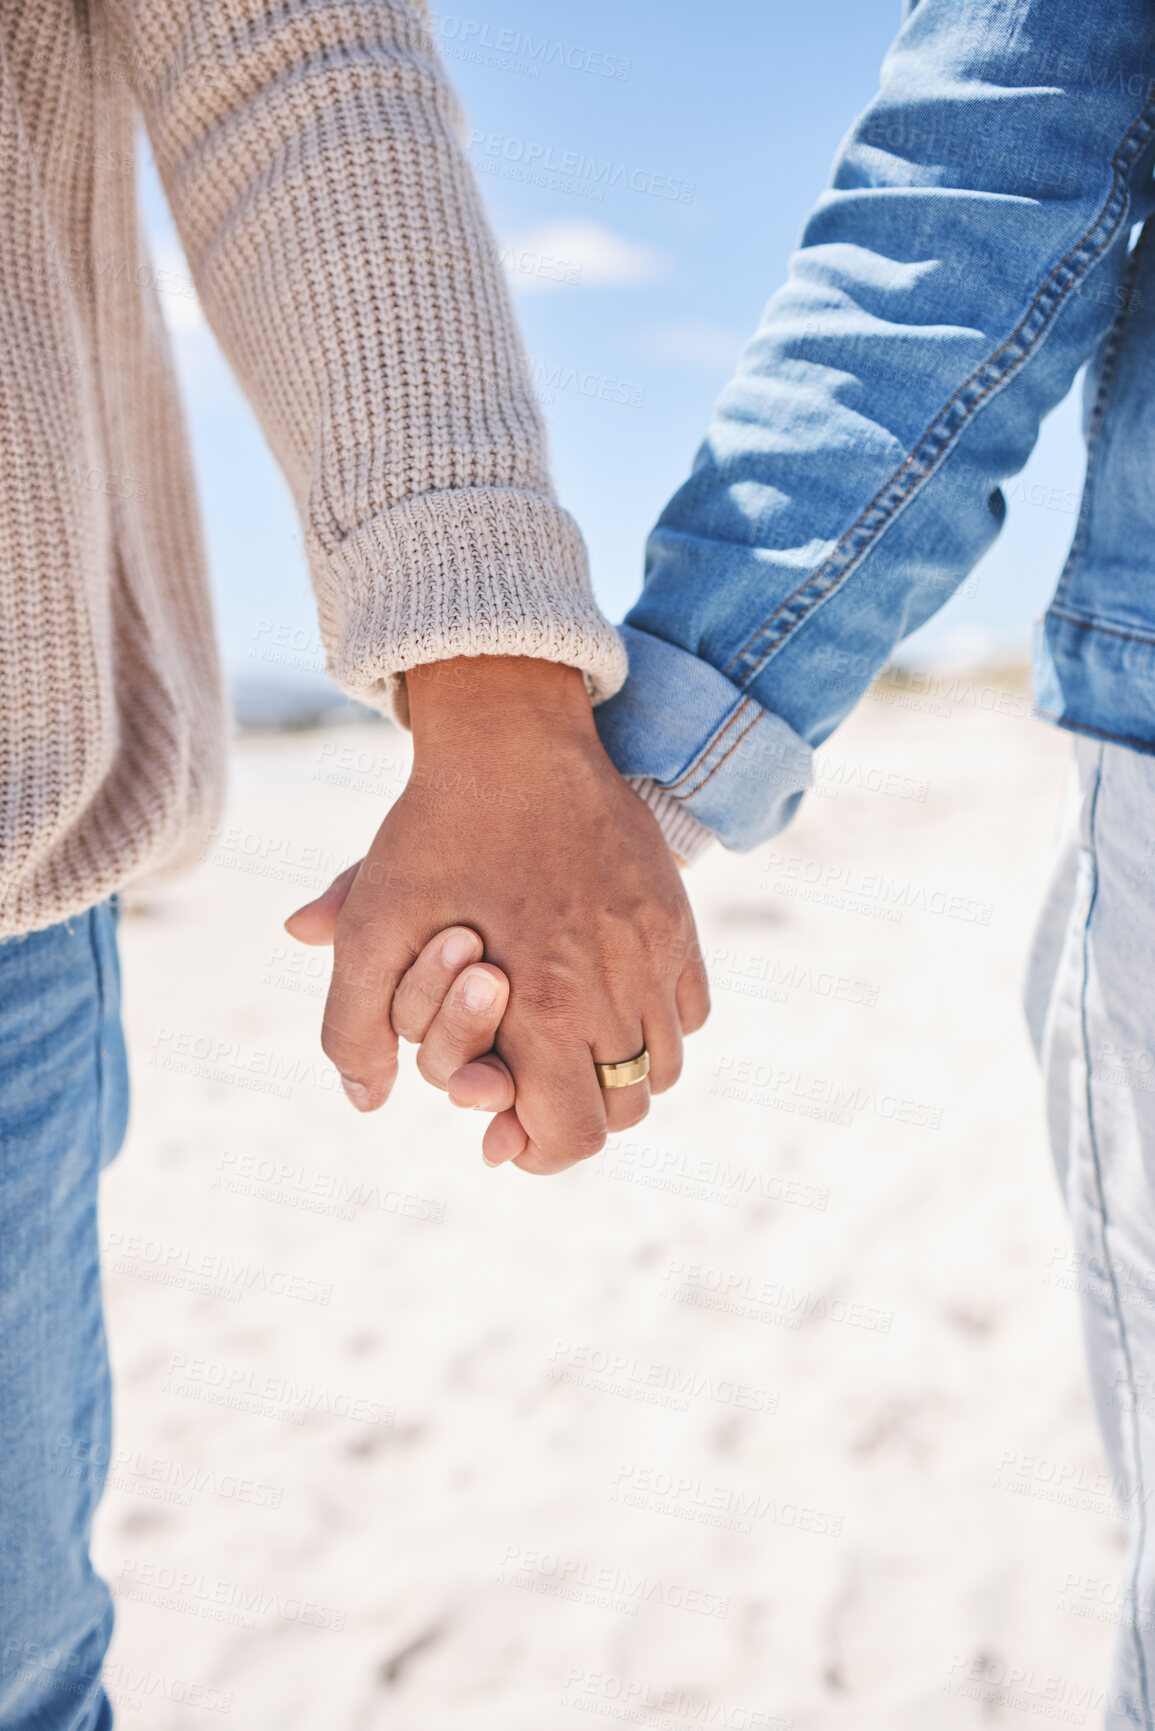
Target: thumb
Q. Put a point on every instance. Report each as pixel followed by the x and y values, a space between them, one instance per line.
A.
pixel 315 922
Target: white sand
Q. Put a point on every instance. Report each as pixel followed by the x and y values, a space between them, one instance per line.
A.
pixel 846 1517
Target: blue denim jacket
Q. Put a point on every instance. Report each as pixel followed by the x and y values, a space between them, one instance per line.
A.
pixel 977 245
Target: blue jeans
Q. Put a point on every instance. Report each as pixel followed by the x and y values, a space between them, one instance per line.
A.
pixel 1089 1003
pixel 63 1111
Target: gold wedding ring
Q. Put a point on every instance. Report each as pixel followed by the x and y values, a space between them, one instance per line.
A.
pixel 624 1075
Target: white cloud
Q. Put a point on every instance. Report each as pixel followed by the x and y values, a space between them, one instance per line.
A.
pixel 695 343
pixel 576 253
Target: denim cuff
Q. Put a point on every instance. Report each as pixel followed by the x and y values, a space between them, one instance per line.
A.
pixel 1096 677
pixel 734 767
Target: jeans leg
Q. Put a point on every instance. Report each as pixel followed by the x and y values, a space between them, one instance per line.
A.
pixel 1053 923
pixel 63 1109
pixel 1099 1065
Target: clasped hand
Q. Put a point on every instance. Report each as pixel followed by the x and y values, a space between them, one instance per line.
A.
pixel 517 841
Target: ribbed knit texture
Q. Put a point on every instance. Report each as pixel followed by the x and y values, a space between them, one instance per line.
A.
pixel 311 151
pixel 687 838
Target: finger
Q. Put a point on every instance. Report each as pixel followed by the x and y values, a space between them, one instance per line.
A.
pixel 315 922
pixel 664 1044
pixel 504 1140
pixel 422 991
pixel 357 1034
pixel 559 1103
pixel 624 1107
pixel 483 1086
pixel 466 1025
pixel 693 995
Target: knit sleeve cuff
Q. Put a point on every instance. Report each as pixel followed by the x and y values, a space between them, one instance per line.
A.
pixel 469 571
pixel 685 836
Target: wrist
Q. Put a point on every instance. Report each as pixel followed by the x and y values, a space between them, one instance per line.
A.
pixel 490 703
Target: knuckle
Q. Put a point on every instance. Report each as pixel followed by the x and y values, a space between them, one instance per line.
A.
pixel 550 998
pixel 560 1156
pixel 586 1141
pixel 350 930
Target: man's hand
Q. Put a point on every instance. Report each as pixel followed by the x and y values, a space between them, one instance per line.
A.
pixel 514 823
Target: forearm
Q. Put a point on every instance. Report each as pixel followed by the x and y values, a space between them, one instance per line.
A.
pixel 313 159
pixel 965 263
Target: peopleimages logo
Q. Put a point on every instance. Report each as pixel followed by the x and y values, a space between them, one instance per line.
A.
pixel 874 893
pixel 1063 1700
pixel 471 38
pixel 772 1301
pixel 615 1697
pixel 543 164
pixel 730 1507
pixel 178 1588
pixel 651 1381
pixel 608 1586
pixel 273 1396
pixel 214 1271
pixel 765 1084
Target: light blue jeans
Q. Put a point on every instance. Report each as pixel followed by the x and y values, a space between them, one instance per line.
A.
pixel 63 1110
pixel 1091 1005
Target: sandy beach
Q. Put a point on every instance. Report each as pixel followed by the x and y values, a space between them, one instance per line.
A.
pixel 772 1415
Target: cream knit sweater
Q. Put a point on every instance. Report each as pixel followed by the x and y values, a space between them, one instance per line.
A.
pixel 311 152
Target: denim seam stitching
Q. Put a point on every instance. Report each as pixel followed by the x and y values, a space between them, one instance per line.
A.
pixel 715 737
pixel 101 1013
pixel 1070 617
pixel 940 434
pixel 1079 728
pixel 713 770
pixel 715 740
pixel 1141 1524
pixel 1095 420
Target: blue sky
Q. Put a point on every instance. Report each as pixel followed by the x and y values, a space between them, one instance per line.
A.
pixel 727 118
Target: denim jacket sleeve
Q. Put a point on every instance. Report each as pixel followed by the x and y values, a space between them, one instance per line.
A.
pixel 966 260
